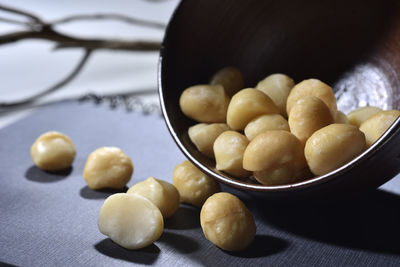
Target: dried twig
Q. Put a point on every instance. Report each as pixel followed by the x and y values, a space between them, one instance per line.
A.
pixel 40 29
pixel 27 14
pixel 123 18
pixel 13 21
pixel 66 41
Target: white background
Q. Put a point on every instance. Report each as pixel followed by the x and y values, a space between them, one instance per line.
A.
pixel 29 66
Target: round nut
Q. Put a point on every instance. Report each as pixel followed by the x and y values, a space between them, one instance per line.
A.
pixel 312 87
pixel 375 126
pixel 227 222
pixel 108 167
pixel 193 185
pixel 308 115
pixel 341 118
pixel 273 149
pixel 230 78
pixel 246 105
pixel 286 174
pixel 53 151
pixel 333 146
pixel 229 148
pixel 203 136
pixel 161 193
pixel 359 115
pixel 265 123
pixel 205 103
pixel 277 87
pixel 130 220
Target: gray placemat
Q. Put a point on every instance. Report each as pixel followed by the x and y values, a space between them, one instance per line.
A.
pixel 51 219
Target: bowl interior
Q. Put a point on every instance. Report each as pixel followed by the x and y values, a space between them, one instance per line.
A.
pixel 353 45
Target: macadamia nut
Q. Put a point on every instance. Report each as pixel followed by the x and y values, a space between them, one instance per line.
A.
pixel 275 157
pixel 53 151
pixel 265 123
pixel 273 149
pixel 203 136
pixel 277 87
pixel 308 115
pixel 193 185
pixel 375 126
pixel 341 118
pixel 108 167
pixel 227 222
pixel 161 193
pixel 333 146
pixel 205 103
pixel 312 87
pixel 285 174
pixel 359 115
pixel 246 105
pixel 130 220
pixel 229 148
pixel 230 78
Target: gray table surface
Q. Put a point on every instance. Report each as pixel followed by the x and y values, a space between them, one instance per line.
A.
pixel 51 219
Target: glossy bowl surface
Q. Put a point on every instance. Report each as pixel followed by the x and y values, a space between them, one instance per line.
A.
pixel 353 45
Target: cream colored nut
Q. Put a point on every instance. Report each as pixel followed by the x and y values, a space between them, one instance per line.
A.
pixel 53 151
pixel 130 220
pixel 286 174
pixel 203 136
pixel 265 123
pixel 333 146
pixel 312 87
pixel 205 103
pixel 341 118
pixel 230 78
pixel 273 149
pixel 277 87
pixel 375 126
pixel 246 105
pixel 359 115
pixel 161 193
pixel 229 148
pixel 193 185
pixel 227 222
pixel 108 167
pixel 308 115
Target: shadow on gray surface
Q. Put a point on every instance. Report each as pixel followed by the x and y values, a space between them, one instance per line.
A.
pixel 88 193
pixel 369 222
pixel 186 217
pixel 262 246
pixel 6 264
pixel 146 255
pixel 35 174
pixel 180 243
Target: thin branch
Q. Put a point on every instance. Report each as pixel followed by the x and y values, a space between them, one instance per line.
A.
pixel 22 13
pixel 39 29
pixel 13 21
pixel 123 18
pixel 66 41
pixel 53 88
pixel 111 45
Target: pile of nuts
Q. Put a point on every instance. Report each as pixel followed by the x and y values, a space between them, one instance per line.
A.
pixel 135 219
pixel 278 132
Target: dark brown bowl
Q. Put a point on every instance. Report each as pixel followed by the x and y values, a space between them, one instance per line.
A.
pixel 353 45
